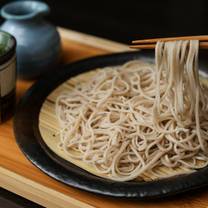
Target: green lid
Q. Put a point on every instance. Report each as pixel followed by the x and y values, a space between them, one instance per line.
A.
pixel 7 42
pixel 7 46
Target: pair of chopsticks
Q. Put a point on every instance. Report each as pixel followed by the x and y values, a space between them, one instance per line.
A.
pixel 150 43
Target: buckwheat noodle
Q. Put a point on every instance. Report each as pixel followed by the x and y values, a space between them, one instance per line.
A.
pixel 132 118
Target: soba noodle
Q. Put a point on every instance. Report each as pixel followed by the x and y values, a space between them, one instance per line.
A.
pixel 132 118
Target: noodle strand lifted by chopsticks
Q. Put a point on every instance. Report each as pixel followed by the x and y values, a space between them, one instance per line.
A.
pixel 132 118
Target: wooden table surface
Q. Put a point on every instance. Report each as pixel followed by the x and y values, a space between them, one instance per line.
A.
pixel 18 175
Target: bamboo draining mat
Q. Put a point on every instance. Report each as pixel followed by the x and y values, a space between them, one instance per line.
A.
pixel 18 175
pixel 49 130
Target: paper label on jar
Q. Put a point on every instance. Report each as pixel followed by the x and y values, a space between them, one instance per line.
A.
pixel 8 76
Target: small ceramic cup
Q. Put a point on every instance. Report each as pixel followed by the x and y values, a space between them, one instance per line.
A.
pixel 7 75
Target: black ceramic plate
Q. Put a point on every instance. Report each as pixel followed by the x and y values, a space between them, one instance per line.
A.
pixel 29 139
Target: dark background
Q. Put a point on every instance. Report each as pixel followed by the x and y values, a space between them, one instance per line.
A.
pixel 131 19
pixel 122 21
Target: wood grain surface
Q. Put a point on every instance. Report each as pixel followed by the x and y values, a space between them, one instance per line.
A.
pixel 18 175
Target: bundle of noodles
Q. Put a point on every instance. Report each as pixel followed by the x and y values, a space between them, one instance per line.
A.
pixel 130 119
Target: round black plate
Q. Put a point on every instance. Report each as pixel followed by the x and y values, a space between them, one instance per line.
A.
pixel 29 139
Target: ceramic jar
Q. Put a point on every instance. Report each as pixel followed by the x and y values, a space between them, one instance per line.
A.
pixel 38 42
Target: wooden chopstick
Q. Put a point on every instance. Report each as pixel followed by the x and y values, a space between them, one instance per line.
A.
pixel 146 46
pixel 202 45
pixel 154 40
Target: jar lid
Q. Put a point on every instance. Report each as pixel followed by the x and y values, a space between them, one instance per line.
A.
pixel 7 46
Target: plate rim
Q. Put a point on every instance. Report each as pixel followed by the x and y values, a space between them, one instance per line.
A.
pixel 26 128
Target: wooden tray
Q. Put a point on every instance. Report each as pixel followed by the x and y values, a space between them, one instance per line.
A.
pixel 20 176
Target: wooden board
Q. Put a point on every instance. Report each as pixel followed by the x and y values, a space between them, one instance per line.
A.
pixel 18 175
